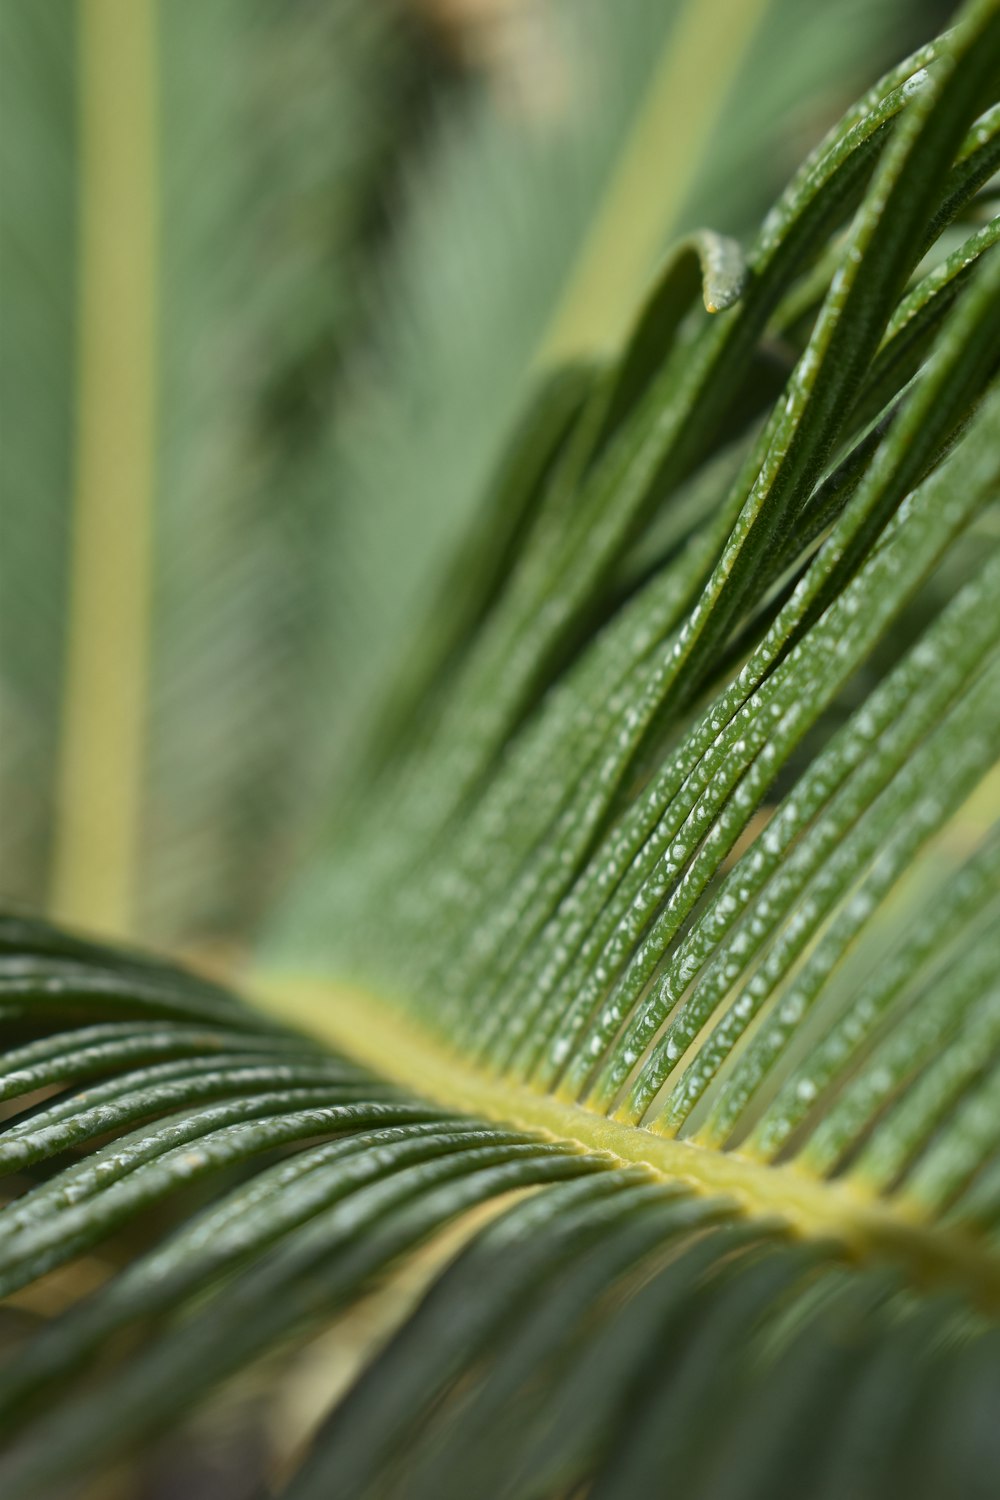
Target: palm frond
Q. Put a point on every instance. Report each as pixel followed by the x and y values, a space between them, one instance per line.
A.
pixel 334 332
pixel 607 1273
pixel 138 471
pixel 509 229
pixel 669 909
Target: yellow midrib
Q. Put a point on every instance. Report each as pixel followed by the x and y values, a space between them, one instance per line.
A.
pixel 101 733
pixel 375 1034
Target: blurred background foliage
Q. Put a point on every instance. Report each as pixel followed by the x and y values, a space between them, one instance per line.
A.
pixel 368 229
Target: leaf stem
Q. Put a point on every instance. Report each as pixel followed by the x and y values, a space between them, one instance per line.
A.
pixel 375 1034
pixel 104 692
pixel 701 57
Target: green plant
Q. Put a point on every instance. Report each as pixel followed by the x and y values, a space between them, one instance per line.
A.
pixel 662 895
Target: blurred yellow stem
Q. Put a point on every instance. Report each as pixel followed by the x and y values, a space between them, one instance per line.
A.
pixel 109 586
pixel 663 155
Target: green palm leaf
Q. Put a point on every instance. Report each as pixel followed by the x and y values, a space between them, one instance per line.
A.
pixel 308 383
pixel 653 949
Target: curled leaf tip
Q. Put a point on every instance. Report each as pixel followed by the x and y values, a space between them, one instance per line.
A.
pixel 723 269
